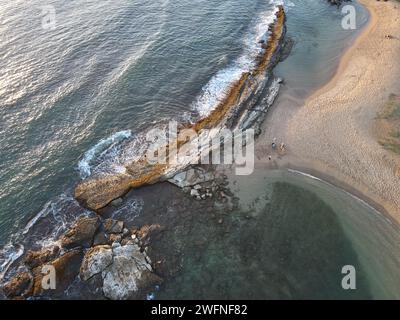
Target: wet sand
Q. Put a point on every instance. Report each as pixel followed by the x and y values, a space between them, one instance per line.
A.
pixel 332 135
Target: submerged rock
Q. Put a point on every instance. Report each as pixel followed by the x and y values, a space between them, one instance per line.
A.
pixel 117 202
pixel 147 231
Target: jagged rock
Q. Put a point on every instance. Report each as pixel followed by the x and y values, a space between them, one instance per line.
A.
pixel 34 259
pixel 192 177
pixel 337 2
pixel 129 275
pixel 19 285
pixel 81 234
pixel 95 261
pixel 66 269
pixel 113 226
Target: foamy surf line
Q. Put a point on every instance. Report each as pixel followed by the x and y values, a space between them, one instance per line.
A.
pixel 377 212
pixel 211 96
pixel 84 165
pixel 217 89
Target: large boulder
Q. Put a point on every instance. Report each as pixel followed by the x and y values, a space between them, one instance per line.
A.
pixel 130 274
pixel 81 234
pixel 95 261
pixel 113 226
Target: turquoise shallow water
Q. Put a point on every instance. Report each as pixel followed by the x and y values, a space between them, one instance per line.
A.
pixel 289 238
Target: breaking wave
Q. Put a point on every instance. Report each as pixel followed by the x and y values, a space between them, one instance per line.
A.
pixel 218 87
pixel 100 148
pixel 110 154
pixel 42 230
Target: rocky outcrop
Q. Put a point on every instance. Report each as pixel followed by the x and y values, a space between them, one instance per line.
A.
pixel 95 261
pixel 125 270
pixel 96 192
pixel 129 274
pixel 19 285
pixel 34 259
pixel 119 268
pixel 66 268
pixel 81 233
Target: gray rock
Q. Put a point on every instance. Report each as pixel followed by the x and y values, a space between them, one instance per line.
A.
pixel 128 275
pixel 191 177
pixel 18 285
pixel 95 261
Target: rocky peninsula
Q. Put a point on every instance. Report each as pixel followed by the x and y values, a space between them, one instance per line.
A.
pixel 96 191
pixel 98 253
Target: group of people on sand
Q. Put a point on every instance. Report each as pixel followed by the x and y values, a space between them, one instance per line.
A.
pixel 280 149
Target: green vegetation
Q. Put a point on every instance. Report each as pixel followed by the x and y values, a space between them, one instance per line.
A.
pixel 390 118
pixel 391 110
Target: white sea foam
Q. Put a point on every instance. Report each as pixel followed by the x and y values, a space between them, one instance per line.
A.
pixel 8 254
pixel 60 220
pixel 218 86
pixel 84 165
pixel 110 155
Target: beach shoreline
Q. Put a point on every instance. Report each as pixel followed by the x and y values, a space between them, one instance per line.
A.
pixel 331 136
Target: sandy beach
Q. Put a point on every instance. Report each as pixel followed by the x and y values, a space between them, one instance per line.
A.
pixel 333 135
